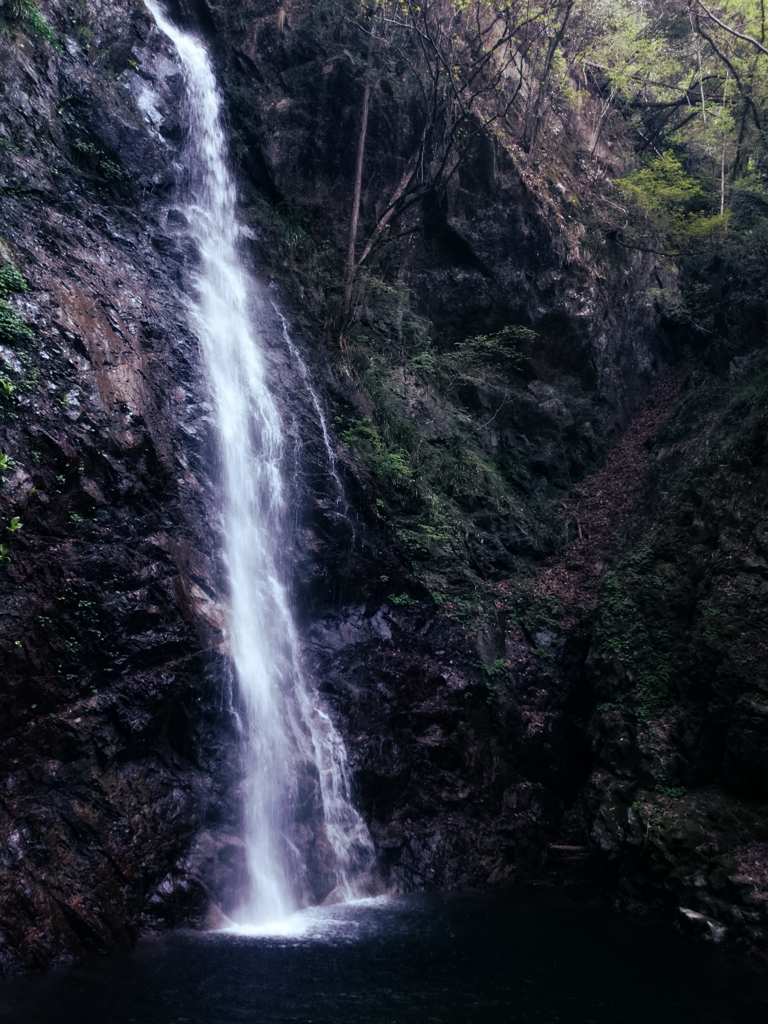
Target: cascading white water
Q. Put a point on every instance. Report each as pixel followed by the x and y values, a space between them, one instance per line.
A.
pixel 288 738
pixel 304 374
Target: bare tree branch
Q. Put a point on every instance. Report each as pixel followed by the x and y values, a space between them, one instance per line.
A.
pixel 734 32
pixel 747 98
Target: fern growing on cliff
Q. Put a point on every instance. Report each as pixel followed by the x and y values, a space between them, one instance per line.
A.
pixel 13 330
pixel 26 14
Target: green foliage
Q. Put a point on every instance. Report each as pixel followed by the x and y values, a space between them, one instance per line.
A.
pixel 15 525
pixel 27 15
pixel 672 201
pixel 616 611
pixel 683 615
pixel 527 606
pixel 449 489
pixel 423 364
pixel 624 44
pixel 11 280
pixel 607 707
pixel 691 98
pixel 86 37
pixel 662 186
pixel 499 669
pixel 650 690
pixel 640 642
pixel 614 599
pixel 13 330
pixel 497 676
pixel 488 357
pixel 96 159
pixel 388 462
pixel 674 792
pixel 729 420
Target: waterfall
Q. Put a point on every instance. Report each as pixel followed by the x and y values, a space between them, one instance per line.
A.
pixel 304 374
pixel 290 745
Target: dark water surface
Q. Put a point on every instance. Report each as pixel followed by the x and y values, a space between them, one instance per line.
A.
pixel 520 956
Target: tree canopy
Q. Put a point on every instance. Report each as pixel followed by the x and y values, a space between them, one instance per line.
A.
pixel 683 83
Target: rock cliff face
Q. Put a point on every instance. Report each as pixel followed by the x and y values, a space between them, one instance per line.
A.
pixel 113 738
pixel 487 732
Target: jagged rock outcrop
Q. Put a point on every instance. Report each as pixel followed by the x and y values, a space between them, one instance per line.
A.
pixel 510 240
pixel 116 743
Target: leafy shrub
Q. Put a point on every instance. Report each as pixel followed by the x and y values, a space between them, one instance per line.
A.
pixel 95 159
pixel 387 461
pixel 670 200
pixel 11 280
pixel 489 357
pixel 12 328
pixel 26 14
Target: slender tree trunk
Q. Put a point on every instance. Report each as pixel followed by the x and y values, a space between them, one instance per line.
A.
pixel 350 270
pixel 722 158
pixel 722 182
pixel 701 86
pixel 601 122
pixel 538 114
pixel 389 213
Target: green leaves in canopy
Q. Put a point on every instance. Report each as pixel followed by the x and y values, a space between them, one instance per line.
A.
pixel 673 202
pixel 662 186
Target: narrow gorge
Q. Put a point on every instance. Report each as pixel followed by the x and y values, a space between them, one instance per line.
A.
pixel 384 457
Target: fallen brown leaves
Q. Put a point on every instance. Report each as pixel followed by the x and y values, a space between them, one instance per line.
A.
pixel 602 501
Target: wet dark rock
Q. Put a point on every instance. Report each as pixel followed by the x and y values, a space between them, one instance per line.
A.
pixel 747 744
pixel 694 923
pixel 116 745
pixel 456 772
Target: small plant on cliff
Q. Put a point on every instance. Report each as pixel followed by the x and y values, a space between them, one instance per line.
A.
pixel 12 328
pixel 488 357
pixel 95 159
pixel 497 676
pixel 11 280
pixel 674 792
pixel 26 14
pixel 498 670
pixel 387 461
pixel 6 464
pixel 15 525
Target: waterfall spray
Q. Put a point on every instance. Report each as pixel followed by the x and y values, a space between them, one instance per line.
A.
pixel 288 737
